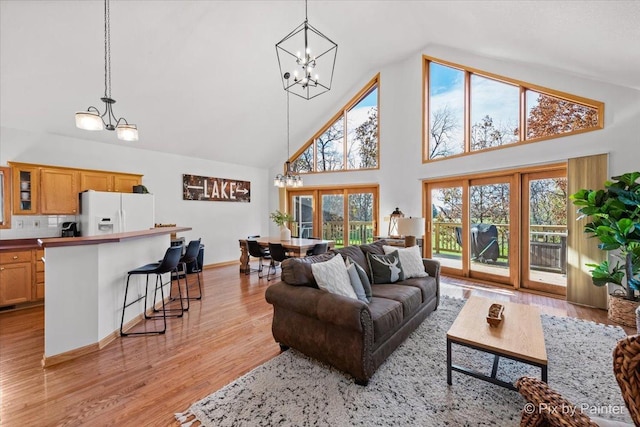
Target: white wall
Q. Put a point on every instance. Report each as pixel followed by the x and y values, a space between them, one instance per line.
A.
pixel 401 168
pixel 219 224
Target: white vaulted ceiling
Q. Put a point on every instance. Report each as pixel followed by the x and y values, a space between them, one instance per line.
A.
pixel 201 78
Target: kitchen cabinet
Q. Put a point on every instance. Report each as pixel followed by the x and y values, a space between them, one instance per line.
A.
pixel 25 189
pixel 39 267
pixel 95 180
pixel 15 277
pixel 58 191
pixel 123 183
pixel 53 190
pixel 108 181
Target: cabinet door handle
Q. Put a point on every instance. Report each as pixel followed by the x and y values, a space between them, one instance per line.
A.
pixel 15 257
pixel 1 268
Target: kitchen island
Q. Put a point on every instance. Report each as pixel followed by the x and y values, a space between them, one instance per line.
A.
pixel 85 280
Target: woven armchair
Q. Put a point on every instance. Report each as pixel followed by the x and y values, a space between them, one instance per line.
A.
pixel 542 400
pixel 626 367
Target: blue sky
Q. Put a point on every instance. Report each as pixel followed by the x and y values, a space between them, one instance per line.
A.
pixel 370 100
pixel 442 78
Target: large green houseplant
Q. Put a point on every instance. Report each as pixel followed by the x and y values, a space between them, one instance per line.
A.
pixel 614 219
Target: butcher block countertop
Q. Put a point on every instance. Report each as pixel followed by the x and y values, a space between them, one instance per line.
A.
pixel 108 238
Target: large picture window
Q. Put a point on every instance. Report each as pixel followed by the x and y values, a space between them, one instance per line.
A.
pixel 468 110
pixel 349 141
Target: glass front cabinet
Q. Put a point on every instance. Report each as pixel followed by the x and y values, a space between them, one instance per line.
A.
pixel 25 190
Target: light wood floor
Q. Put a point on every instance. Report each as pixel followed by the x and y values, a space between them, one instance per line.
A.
pixel 144 380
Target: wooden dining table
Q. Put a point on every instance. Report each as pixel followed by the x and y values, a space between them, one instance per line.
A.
pixel 296 247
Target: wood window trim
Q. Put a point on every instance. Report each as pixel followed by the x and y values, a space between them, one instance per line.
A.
pixel 316 191
pixel 374 83
pixel 523 86
pixel 6 195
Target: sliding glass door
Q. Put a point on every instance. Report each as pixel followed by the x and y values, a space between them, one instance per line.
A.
pixel 302 210
pixel 544 232
pixel 490 206
pixel 508 227
pixel 447 204
pixel 333 218
pixel 361 210
pixel 345 215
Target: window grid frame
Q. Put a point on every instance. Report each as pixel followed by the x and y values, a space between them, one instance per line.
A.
pixel 371 85
pixel 522 114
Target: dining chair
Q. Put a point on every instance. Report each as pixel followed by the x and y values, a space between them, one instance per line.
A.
pixel 278 254
pixel 257 251
pixel 318 249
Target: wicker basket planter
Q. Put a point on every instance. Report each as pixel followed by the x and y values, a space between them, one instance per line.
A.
pixel 623 311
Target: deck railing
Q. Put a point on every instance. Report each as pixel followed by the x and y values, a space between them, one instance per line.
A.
pixel 360 232
pixel 548 244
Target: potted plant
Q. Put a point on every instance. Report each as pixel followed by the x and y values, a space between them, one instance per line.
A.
pixel 282 219
pixel 614 215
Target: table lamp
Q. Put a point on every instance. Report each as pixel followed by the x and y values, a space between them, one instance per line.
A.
pixel 411 228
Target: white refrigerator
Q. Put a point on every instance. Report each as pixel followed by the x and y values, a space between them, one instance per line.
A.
pixel 103 212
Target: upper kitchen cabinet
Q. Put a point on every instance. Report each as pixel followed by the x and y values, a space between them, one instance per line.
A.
pixel 123 183
pixel 95 180
pixel 26 183
pixel 53 190
pixel 108 181
pixel 58 191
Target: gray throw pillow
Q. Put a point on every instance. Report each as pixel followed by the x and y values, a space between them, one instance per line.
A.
pixel 385 268
pixel 364 279
pixel 356 284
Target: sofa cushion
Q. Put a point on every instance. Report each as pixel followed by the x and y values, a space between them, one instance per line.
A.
pixel 385 268
pixel 427 285
pixel 374 248
pixel 356 254
pixel 386 315
pixel 332 276
pixel 362 274
pixel 297 271
pixel 409 296
pixel 411 260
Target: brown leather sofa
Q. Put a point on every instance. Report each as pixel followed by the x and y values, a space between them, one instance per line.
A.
pixel 349 334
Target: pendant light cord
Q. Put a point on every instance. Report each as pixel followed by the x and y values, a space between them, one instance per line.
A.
pixel 107 50
pixel 287 123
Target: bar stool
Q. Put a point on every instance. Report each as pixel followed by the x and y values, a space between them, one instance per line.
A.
pixel 169 264
pixel 190 258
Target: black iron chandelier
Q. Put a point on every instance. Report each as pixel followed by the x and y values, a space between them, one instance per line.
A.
pixel 92 119
pixel 314 57
pixel 289 178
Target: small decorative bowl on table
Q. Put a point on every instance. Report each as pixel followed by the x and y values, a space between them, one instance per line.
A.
pixel 495 315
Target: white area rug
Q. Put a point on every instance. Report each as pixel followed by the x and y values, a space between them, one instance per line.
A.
pixel 410 388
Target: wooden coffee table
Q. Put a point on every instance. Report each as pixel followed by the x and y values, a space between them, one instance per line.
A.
pixel 519 337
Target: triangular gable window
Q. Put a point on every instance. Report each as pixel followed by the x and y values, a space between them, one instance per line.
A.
pixel 349 141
